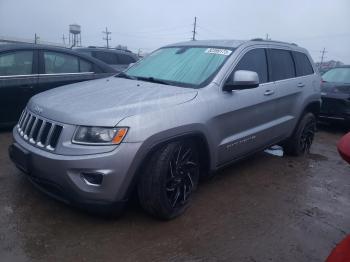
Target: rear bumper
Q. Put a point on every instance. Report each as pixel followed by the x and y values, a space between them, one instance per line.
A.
pixel 60 176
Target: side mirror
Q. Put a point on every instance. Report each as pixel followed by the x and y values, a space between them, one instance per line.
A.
pixel 242 79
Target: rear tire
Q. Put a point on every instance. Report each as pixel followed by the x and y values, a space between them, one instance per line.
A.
pixel 170 178
pixel 301 140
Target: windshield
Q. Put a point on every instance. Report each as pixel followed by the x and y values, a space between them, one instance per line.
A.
pixel 182 66
pixel 337 75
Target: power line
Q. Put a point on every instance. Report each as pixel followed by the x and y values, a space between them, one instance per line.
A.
pixel 36 38
pixel 322 56
pixel 194 29
pixel 64 39
pixel 107 38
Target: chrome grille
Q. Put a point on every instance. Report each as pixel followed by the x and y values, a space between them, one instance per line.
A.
pixel 39 132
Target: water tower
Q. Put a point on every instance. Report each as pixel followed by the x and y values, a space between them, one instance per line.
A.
pixel 74 35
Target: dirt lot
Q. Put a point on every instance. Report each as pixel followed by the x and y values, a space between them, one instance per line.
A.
pixel 266 208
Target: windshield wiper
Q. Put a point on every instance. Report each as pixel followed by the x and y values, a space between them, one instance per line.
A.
pixel 153 80
pixel 124 75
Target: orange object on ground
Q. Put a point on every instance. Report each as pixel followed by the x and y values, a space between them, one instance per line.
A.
pixel 344 148
pixel 341 253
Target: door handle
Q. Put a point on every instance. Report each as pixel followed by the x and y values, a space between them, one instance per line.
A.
pixel 269 92
pixel 27 87
pixel 300 85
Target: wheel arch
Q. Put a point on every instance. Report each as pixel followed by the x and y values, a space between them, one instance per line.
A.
pixel 200 140
pixel 313 107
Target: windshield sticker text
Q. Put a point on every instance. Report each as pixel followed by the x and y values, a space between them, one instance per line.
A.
pixel 218 51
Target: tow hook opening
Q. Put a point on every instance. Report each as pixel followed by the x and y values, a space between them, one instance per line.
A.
pixel 92 178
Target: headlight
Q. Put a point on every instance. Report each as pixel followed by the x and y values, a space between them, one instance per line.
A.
pixel 99 135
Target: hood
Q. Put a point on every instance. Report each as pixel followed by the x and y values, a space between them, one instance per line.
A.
pixel 105 102
pixel 337 89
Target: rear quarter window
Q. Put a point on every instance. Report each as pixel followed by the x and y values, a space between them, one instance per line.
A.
pixel 107 57
pixel 302 64
pixel 281 64
pixel 125 59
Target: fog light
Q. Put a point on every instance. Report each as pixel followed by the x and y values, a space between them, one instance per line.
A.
pixel 92 179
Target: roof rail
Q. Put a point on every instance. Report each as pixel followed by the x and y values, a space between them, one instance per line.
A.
pixel 273 41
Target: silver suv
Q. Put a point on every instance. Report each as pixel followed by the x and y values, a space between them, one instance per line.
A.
pixel 172 118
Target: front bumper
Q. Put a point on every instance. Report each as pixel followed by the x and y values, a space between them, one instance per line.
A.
pixel 60 176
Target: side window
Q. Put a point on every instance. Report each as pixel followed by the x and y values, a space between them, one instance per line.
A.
pixel 16 63
pixel 254 60
pixel 125 59
pixel 85 66
pixel 56 63
pixel 281 64
pixel 302 64
pixel 107 57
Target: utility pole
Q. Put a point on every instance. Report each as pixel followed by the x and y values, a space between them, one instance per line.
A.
pixel 64 39
pixel 322 56
pixel 107 38
pixel 194 29
pixel 36 38
pixel 267 37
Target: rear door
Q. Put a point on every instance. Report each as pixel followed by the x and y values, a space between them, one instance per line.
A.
pixel 18 80
pixel 288 88
pixel 58 68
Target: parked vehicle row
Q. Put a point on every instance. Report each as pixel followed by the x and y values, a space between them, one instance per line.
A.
pixel 336 94
pixel 26 70
pixel 119 59
pixel 179 114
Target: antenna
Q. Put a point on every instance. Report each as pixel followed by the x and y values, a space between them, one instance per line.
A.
pixel 194 29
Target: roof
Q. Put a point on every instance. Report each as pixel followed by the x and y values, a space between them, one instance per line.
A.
pixel 96 48
pixel 20 46
pixel 31 46
pixel 230 43
pixel 213 43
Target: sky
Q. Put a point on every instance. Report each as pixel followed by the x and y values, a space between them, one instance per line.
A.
pixel 147 25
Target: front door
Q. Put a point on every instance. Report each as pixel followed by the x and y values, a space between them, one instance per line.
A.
pixel 248 117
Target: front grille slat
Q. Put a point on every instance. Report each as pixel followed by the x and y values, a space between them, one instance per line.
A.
pixel 45 133
pixel 21 118
pixel 47 142
pixel 42 133
pixel 36 130
pixel 25 123
pixel 27 127
pixel 35 122
pixel 55 136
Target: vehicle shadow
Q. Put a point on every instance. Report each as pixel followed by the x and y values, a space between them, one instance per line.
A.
pixel 333 127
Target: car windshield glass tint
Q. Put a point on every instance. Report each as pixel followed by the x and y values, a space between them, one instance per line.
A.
pixel 337 75
pixel 182 66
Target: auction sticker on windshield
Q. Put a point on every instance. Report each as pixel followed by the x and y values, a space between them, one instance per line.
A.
pixel 218 51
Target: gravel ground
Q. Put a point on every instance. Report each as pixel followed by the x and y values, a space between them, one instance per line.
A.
pixel 265 208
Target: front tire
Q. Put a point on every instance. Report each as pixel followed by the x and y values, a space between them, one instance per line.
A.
pixel 301 140
pixel 170 178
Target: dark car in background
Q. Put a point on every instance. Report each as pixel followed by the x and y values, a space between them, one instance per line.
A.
pixel 28 69
pixel 119 59
pixel 336 94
